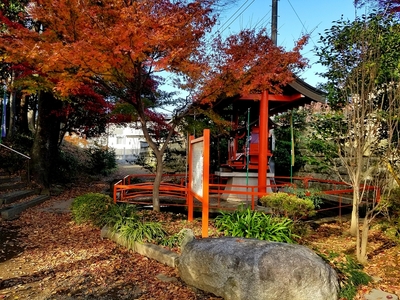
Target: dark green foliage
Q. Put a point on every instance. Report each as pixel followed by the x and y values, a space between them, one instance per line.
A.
pixel 353 276
pixel 102 161
pixel 393 201
pixel 282 132
pixel 66 169
pixel 328 128
pixel 99 210
pixel 12 162
pixel 254 224
pixel 91 208
pixel 369 42
pixel 308 194
pixel 147 160
pixel 175 159
pixel 288 205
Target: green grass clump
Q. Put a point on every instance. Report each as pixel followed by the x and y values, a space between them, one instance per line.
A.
pixel 174 240
pixel 119 215
pixel 352 277
pixel 254 224
pixel 137 231
pixel 351 274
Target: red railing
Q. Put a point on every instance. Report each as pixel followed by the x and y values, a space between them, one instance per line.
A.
pixel 138 189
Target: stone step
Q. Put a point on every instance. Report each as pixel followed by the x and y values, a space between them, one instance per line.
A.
pixel 380 295
pixel 9 179
pixel 12 186
pixel 13 212
pixel 16 195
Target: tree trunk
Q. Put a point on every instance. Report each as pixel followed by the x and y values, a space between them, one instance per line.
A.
pixel 32 113
pixel 355 211
pixel 23 116
pixel 362 254
pixel 157 180
pixel 45 150
pixel 11 120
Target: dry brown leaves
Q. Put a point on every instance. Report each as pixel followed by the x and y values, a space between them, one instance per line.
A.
pixel 62 260
pixel 383 254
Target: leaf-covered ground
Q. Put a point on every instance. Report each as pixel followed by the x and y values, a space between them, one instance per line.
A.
pixel 62 260
pixel 46 256
pixel 383 253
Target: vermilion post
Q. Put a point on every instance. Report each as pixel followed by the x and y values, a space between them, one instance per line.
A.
pixel 206 180
pixel 199 188
pixel 263 143
pixel 189 195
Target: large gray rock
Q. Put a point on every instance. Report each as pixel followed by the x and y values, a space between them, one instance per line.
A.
pixel 236 268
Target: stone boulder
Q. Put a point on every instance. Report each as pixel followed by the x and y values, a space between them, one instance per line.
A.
pixel 238 268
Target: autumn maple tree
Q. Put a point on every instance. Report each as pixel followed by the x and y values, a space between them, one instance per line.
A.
pixel 116 46
pixel 249 62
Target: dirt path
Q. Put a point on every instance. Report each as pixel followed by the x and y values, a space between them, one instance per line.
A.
pixel 46 256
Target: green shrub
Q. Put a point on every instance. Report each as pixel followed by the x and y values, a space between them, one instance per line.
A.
pixel 91 208
pixel 308 194
pixel 102 160
pixel 67 168
pixel 10 161
pixel 255 224
pixel 287 205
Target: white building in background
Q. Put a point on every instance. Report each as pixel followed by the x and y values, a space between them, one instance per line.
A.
pixel 127 141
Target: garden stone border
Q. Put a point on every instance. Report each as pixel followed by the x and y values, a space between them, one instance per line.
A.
pixel 152 251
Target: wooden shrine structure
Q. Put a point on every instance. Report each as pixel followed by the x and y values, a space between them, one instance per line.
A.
pixel 254 154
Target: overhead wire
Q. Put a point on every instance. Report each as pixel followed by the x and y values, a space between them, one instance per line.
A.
pixel 302 24
pixel 238 15
pixel 222 26
pixel 261 21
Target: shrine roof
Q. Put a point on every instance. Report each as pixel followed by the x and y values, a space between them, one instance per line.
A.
pixel 296 94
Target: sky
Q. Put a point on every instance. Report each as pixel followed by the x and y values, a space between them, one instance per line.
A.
pixel 295 18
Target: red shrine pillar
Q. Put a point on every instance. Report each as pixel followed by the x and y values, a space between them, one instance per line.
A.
pixel 263 143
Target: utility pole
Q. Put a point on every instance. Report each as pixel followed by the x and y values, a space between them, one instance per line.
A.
pixel 274 22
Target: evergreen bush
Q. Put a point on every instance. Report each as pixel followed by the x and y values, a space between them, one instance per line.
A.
pixel 288 205
pixel 10 161
pixel 91 208
pixel 102 161
pixel 66 169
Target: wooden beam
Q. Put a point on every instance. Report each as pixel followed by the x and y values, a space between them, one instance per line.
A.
pixel 271 97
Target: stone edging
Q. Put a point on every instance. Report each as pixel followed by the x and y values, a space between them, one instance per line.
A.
pixel 152 251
